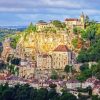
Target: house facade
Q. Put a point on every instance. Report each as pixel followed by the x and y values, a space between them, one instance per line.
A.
pixel 72 23
pixel 44 61
pixel 61 56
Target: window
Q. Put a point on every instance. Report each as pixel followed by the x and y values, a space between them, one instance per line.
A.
pixel 59 63
pixel 64 63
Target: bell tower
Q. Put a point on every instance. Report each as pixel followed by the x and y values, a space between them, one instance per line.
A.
pixel 82 18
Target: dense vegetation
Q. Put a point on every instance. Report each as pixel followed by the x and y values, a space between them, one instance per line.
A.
pixel 91 53
pixel 14 40
pixel 25 92
pixel 58 24
pixel 54 75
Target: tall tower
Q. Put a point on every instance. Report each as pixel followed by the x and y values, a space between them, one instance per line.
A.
pixel 82 18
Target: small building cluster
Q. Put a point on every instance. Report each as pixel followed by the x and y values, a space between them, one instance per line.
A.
pixel 59 57
pixel 72 23
pixel 43 51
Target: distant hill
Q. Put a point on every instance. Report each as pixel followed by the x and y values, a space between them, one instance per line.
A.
pixel 13 27
pixel 10 30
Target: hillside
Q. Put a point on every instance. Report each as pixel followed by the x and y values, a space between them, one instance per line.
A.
pixel 6 31
pixel 48 38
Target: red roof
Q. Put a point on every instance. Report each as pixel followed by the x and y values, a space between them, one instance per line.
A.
pixel 62 48
pixel 71 19
pixel 45 55
pixel 72 81
pixel 2 77
pixel 92 80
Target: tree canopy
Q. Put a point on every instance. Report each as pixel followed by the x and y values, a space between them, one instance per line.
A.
pixel 91 54
pixel 31 28
pixel 26 92
pixel 58 24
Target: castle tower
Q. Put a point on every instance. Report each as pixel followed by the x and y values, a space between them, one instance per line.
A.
pixel 82 18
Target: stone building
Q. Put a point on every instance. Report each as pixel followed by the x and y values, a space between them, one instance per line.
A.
pixel 26 72
pixel 61 57
pixel 44 61
pixel 72 23
pixel 27 68
pixel 41 25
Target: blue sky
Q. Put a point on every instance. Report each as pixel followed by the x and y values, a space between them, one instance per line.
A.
pixel 22 12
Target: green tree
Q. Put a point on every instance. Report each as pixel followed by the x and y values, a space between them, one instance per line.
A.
pixel 7 94
pixel 75 42
pixel 84 34
pixel 11 69
pixel 1 48
pixel 95 97
pixel 31 28
pixel 81 78
pixel 53 95
pixel 42 94
pixel 87 21
pixel 90 54
pixel 75 31
pixel 67 96
pixel 52 86
pixel 98 30
pixel 54 75
pixel 85 73
pixel 84 67
pixel 14 40
pixel 68 69
pixel 91 32
pixel 15 61
pixel 2 65
pixel 83 97
pixel 83 56
pixel 89 90
pixel 58 24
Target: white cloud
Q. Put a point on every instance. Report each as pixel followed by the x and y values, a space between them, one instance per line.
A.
pixel 31 4
pixel 92 11
pixel 46 6
pixel 27 16
pixel 2 9
pixel 62 3
pixel 26 11
pixel 36 17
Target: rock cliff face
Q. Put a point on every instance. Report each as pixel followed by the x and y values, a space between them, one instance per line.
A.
pixel 41 42
pixel 31 41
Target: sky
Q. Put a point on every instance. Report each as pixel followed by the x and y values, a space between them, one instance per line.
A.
pixel 22 12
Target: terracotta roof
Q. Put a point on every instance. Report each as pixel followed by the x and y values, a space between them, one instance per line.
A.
pixel 97 82
pixel 96 87
pixel 92 80
pixel 45 55
pixel 71 19
pixel 2 77
pixel 73 81
pixel 62 48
